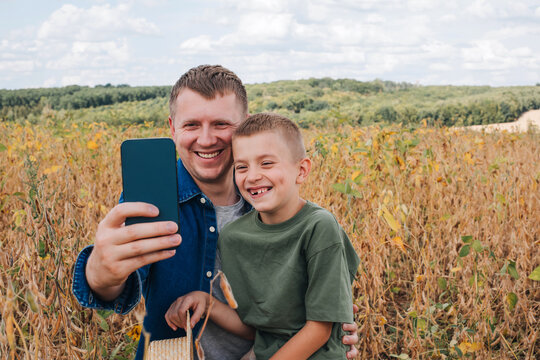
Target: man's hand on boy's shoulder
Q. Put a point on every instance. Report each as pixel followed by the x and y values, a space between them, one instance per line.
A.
pixel 120 250
pixel 352 338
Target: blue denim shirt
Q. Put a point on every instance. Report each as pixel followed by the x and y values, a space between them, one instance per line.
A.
pixel 161 283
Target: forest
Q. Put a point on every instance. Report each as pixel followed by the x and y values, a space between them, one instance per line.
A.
pixel 311 103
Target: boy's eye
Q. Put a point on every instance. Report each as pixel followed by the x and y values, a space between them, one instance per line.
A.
pixel 240 167
pixel 267 163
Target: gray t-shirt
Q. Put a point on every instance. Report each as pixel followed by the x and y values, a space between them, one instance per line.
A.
pixel 219 344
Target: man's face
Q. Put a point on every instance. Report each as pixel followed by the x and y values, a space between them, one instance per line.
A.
pixel 202 131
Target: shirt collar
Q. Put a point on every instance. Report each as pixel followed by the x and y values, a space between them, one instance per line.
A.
pixel 186 185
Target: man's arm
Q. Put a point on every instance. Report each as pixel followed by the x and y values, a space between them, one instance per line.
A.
pixel 307 341
pixel 120 250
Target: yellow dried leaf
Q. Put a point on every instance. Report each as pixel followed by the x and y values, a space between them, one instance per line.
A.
pixel 399 243
pixel 92 145
pixel 52 169
pixel 467 347
pixel 455 269
pixel 468 158
pixel 392 222
pixel 227 291
pixel 135 332
pixel 355 175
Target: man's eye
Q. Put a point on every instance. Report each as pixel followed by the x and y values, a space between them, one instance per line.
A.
pixel 221 125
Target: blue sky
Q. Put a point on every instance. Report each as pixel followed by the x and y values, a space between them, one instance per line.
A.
pixel 152 42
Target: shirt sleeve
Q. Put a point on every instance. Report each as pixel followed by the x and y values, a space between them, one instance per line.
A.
pixel 331 265
pixel 124 303
pixel 329 295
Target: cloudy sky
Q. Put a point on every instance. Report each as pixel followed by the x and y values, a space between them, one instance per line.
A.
pixel 152 42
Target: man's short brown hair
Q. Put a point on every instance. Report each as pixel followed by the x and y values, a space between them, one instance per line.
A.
pixel 209 80
pixel 285 127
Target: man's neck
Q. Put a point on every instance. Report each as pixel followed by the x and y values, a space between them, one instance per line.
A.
pixel 220 193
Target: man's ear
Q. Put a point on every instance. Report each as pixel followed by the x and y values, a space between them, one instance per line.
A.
pixel 171 126
pixel 304 167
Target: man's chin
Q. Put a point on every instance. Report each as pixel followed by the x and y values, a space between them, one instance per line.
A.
pixel 211 176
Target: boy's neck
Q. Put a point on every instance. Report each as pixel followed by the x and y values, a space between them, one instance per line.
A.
pixel 283 214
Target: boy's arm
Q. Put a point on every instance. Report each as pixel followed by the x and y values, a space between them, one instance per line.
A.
pixel 226 317
pixel 307 341
pixel 221 314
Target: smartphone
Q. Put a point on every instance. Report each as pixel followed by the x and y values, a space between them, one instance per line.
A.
pixel 149 175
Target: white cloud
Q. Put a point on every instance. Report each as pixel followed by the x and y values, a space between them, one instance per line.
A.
pixel 481 8
pixel 84 54
pixel 93 24
pixel 262 27
pixel 198 44
pixel 493 55
pixel 17 65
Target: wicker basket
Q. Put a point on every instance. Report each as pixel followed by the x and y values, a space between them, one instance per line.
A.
pixel 172 349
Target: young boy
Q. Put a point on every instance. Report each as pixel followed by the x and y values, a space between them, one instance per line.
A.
pixel 289 263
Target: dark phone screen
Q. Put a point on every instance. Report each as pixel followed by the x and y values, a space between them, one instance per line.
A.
pixel 149 175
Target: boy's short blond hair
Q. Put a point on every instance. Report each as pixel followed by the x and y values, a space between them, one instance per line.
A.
pixel 290 132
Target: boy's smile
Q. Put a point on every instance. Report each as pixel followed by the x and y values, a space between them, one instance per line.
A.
pixel 267 176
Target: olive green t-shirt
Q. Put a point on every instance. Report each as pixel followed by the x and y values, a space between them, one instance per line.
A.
pixel 285 274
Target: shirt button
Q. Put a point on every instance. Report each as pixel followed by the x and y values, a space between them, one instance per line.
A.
pixel 203 200
pixel 208 274
pixel 212 229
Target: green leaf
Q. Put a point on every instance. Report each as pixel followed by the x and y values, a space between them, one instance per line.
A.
pixel 466 239
pixel 342 188
pixel 421 324
pixel 511 300
pixel 3 147
pixel 104 313
pixel 465 249
pixel 442 283
pixel 103 324
pixel 477 246
pixel 504 269
pixel 535 275
pixel 512 270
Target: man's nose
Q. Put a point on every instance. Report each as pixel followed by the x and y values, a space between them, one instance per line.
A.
pixel 206 137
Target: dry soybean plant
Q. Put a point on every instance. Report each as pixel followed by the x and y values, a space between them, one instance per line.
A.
pixel 445 222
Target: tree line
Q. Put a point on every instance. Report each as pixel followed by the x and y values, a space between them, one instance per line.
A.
pixel 310 102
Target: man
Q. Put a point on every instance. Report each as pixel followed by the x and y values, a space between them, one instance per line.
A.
pixel 207 103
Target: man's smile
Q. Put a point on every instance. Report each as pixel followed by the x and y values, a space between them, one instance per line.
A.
pixel 207 155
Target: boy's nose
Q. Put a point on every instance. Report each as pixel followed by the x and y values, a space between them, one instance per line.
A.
pixel 253 175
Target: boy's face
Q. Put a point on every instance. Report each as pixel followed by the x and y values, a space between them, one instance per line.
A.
pixel 267 175
pixel 202 130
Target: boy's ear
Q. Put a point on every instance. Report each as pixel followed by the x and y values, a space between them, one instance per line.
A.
pixel 304 167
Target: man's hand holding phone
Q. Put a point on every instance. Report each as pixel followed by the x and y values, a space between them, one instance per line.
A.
pixel 119 250
pixel 136 233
